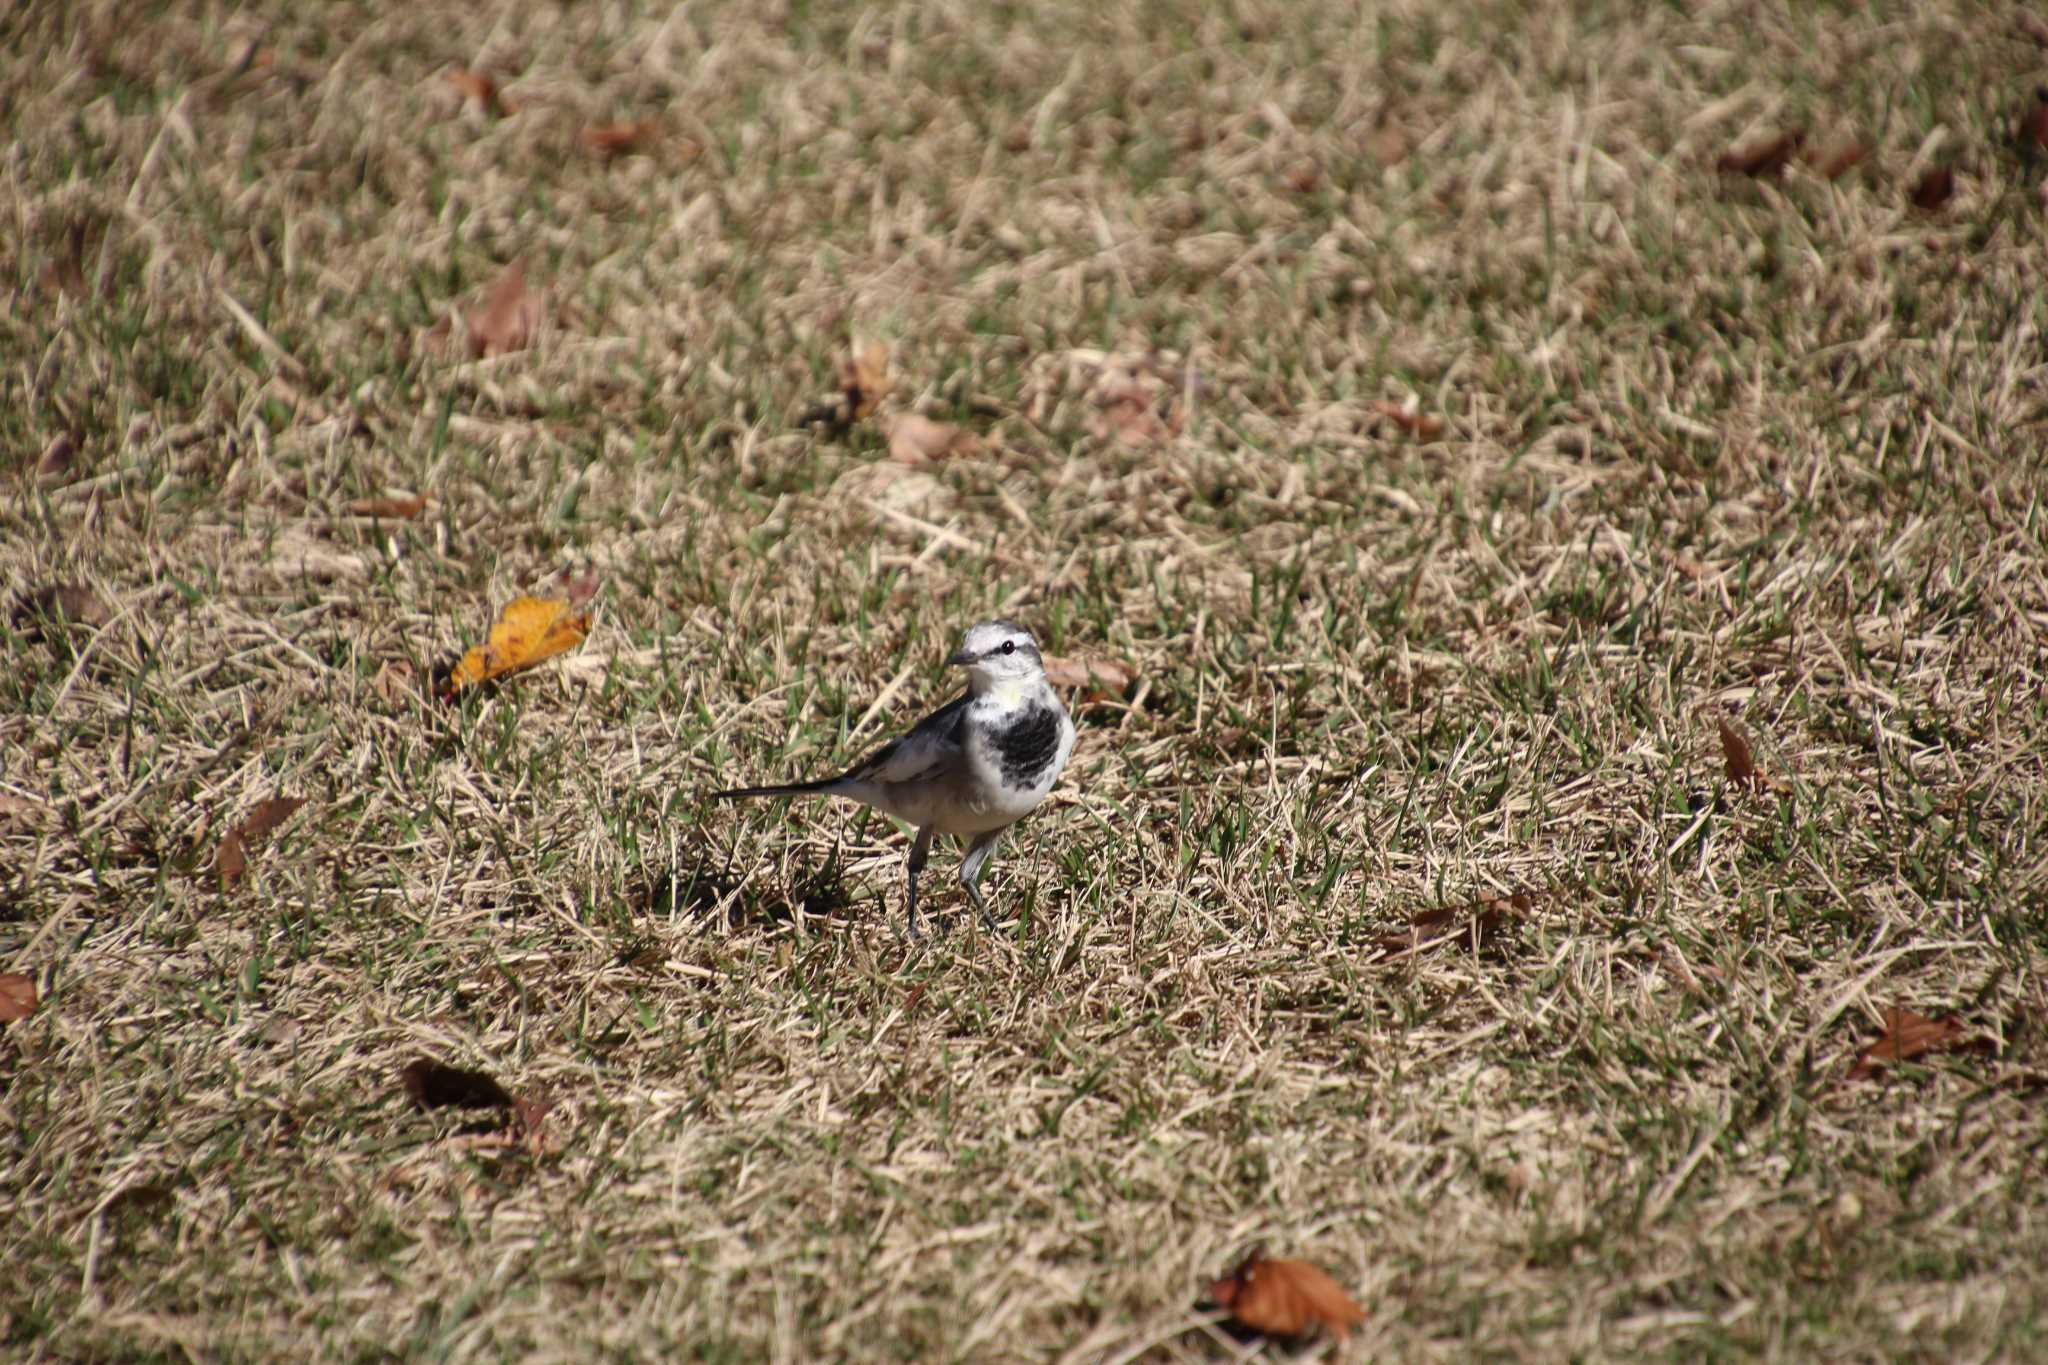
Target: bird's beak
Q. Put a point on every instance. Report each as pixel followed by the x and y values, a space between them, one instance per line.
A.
pixel 961 658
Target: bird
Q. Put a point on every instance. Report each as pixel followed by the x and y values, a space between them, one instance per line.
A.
pixel 972 768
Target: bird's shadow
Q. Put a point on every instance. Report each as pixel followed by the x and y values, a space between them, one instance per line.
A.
pixel 704 889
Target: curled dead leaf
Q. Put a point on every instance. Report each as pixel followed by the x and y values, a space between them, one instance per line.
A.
pixel 509 317
pixel 1285 1298
pixel 1908 1035
pixel 1411 420
pixel 436 1085
pixel 1764 158
pixel 18 997
pixel 528 631
pixel 56 458
pixel 915 440
pixel 1736 757
pixel 231 859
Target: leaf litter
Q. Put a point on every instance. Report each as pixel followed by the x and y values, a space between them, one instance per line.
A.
pixel 1285 1298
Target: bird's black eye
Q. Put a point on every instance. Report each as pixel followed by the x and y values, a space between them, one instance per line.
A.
pixel 1009 646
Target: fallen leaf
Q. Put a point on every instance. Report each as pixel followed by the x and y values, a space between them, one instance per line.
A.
pixel 509 316
pixel 1476 922
pixel 913 998
pixel 1285 1298
pixel 268 815
pixel 2032 131
pixel 1304 177
pixel 479 86
pixel 436 1085
pixel 56 458
pixel 1933 189
pixel 1415 423
pixel 580 588
pixel 919 440
pixel 389 509
pixel 65 272
pixel 1387 144
pixel 20 810
pixel 1130 412
pixel 17 997
pixel 231 860
pixel 616 139
pixel 1763 158
pixel 1908 1035
pixel 530 1112
pixel 61 604
pixel 1736 757
pixel 393 680
pixel 1688 566
pixel 528 630
pixel 1107 673
pixel 1841 159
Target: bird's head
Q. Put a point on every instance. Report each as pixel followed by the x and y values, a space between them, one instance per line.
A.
pixel 998 654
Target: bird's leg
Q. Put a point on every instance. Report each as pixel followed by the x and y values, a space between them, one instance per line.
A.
pixel 970 872
pixel 920 849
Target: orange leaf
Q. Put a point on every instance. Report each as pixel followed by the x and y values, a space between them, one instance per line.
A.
pixel 616 139
pixel 1933 189
pixel 919 440
pixel 1108 673
pixel 1736 757
pixel 478 86
pixel 529 630
pixel 1285 1298
pixel 389 509
pixel 436 1085
pixel 1908 1035
pixel 1414 423
pixel 17 997
pixel 509 316
pixel 1765 158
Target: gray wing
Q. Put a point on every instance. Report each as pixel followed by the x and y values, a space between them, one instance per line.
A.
pixel 932 745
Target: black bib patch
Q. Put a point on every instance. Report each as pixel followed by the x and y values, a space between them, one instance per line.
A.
pixel 1028 746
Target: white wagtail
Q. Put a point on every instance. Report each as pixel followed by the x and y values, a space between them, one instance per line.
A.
pixel 972 768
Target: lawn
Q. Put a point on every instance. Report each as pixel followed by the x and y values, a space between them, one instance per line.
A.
pixel 1560 840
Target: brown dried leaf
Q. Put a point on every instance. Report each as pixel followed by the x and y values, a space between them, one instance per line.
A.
pixel 616 139
pixel 1284 1298
pixel 1477 923
pixel 1736 756
pixel 1415 423
pixel 1933 189
pixel 268 815
pixel 1107 673
pixel 916 440
pixel 56 458
pixel 479 86
pixel 231 859
pixel 1764 158
pixel 1387 144
pixel 509 317
pixel 1841 159
pixel 394 679
pixel 1135 412
pixel 18 997
pixel 1908 1035
pixel 2032 130
pixel 61 604
pixel 1304 177
pixel 435 1085
pixel 390 509
pixel 20 810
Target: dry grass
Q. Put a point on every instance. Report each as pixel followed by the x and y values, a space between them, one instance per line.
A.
pixel 1711 448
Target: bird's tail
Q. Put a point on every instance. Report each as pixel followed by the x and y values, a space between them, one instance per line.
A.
pixel 786 789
